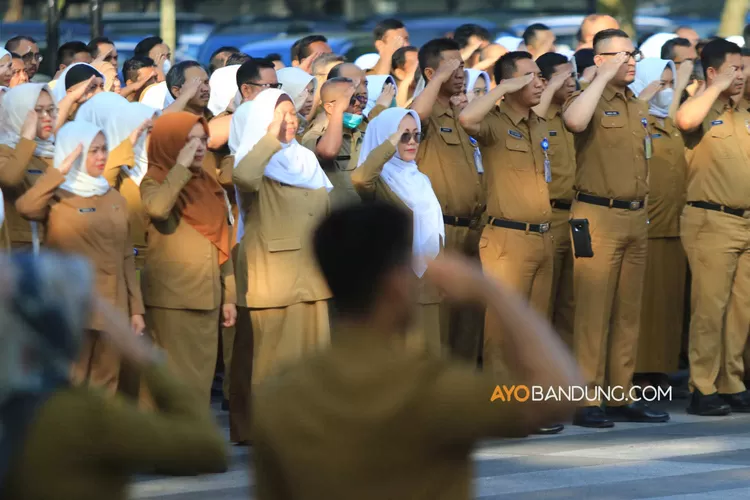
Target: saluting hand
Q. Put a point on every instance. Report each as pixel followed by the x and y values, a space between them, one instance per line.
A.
pixel 684 72
pixel 28 130
pixel 72 157
pixel 396 137
pixel 386 96
pixel 557 81
pixel 187 153
pixel 725 79
pixel 229 313
pixel 446 70
pixel 137 324
pixel 277 126
pixel 306 63
pixel 609 69
pixel 650 91
pixel 191 88
pixel 515 84
pixel 81 94
pixel 135 134
pixel 102 56
pixel 342 104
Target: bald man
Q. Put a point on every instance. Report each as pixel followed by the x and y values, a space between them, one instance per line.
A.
pixel 593 24
pixel 689 34
pixel 348 70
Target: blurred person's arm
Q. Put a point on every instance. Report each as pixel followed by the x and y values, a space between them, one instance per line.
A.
pixel 691 114
pixel 383 67
pixel 489 57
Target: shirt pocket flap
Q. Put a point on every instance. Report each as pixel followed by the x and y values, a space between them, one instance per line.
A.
pixel 451 137
pixel 284 245
pixel 516 145
pixel 613 121
pixel 721 132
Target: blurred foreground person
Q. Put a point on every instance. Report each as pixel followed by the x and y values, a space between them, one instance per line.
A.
pixel 405 422
pixel 69 442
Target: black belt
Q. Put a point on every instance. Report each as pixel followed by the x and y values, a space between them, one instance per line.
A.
pixel 521 226
pixel 609 202
pixel 457 221
pixel 561 204
pixel 717 208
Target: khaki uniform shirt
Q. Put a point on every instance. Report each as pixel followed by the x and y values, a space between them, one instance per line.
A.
pixel 380 422
pixel 668 179
pixel 562 155
pixel 610 153
pixel 19 170
pixel 182 268
pixel 718 157
pixel 514 166
pixel 95 228
pixel 275 264
pixel 371 186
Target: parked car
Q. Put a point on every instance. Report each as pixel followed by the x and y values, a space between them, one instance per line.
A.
pixel 349 44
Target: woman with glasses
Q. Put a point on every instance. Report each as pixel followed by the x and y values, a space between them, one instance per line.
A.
pixel 477 83
pixel 84 216
pixel 388 172
pixel 282 297
pixel 27 146
pixel 301 87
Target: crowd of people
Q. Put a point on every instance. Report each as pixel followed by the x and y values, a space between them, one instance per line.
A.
pixel 266 215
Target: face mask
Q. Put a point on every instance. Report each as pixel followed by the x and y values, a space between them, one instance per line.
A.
pixel 352 121
pixel 166 66
pixel 663 98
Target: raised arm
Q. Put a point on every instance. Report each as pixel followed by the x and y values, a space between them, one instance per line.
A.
pixel 13 162
pixel 555 83
pixel 188 92
pixel 159 198
pixel 248 174
pixel 121 155
pixel 66 105
pixel 578 114
pixel 34 203
pixel 425 101
pixel 365 176
pixel 329 145
pixel 473 114
pixel 691 114
pixel 681 81
pixel 218 129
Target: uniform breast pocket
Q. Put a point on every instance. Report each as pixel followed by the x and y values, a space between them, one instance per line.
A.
pixel 614 131
pixel 451 138
pixel 722 142
pixel 519 154
pixel 284 245
pixel 556 146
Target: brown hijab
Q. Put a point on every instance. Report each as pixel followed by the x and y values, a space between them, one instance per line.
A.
pixel 201 201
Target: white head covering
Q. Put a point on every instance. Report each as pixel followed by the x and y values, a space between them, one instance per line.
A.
pixel 223 85
pixel 647 71
pixel 59 92
pixel 739 40
pixel 17 103
pixel 294 81
pixel 294 165
pixel 367 61
pixel 157 96
pixel 77 181
pixel 472 75
pixel 410 185
pixel 509 42
pixel 375 84
pixel 3 53
pixel 651 47
pixel 118 118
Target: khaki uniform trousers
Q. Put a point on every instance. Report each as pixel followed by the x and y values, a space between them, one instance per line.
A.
pixel 718 249
pixel 98 364
pixel 608 289
pixel 562 310
pixel 523 262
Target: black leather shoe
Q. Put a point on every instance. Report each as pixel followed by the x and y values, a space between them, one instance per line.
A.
pixel 710 405
pixel 739 402
pixel 550 429
pixel 637 411
pixel 592 416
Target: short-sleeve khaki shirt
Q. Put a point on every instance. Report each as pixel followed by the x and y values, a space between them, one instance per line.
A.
pixel 562 155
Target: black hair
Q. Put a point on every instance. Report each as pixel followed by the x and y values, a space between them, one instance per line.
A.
pixel 715 53
pixel 176 75
pixel 93 45
pixel 78 74
pixel 13 55
pixel 356 247
pixel 608 35
pixel 250 70
pixel 462 34
pixel 273 57
pixel 385 26
pixel 67 52
pixel 547 63
pixel 745 51
pixel 144 46
pixel 12 44
pixel 667 50
pixel 584 59
pixel 213 64
pixel 529 34
pixel 131 66
pixel 746 35
pixel 238 58
pixel 431 53
pixel 301 48
pixel 506 65
pixel 399 57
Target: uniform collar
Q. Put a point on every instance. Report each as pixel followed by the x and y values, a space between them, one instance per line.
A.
pixel 610 93
pixel 724 103
pixel 440 110
pixel 553 111
pixel 514 116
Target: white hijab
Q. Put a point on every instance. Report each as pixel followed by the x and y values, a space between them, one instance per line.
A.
pixel 77 181
pixel 410 185
pixel 375 84
pixel 651 47
pixel 509 42
pixel 59 92
pixel 647 71
pixel 472 75
pixel 118 118
pixel 223 85
pixel 157 96
pixel 294 81
pixel 17 103
pixel 294 165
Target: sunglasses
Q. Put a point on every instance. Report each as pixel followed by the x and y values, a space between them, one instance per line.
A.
pixel 637 55
pixel 406 137
pixel 32 56
pixel 266 85
pixel 362 99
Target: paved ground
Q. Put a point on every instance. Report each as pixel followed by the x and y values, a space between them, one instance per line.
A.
pixel 689 458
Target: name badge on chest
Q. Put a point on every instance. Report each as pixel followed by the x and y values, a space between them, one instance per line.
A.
pixel 612 113
pixel 34 172
pixel 447 130
pixel 515 133
pixel 86 210
pixel 717 122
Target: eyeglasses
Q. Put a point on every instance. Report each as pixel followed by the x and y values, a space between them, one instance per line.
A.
pixel 362 99
pixel 51 112
pixel 637 55
pixel 32 56
pixel 407 136
pixel 265 85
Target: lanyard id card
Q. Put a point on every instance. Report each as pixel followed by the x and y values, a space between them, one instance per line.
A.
pixel 547 165
pixel 477 156
pixel 648 144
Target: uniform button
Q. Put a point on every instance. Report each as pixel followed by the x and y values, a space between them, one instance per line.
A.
pixel 306 194
pixel 310 214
